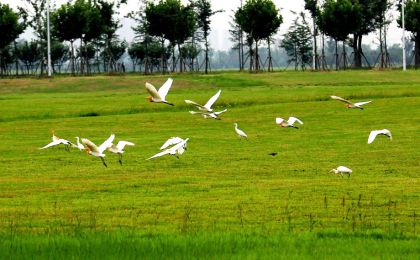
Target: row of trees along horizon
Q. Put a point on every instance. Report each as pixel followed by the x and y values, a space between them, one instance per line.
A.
pixel 173 37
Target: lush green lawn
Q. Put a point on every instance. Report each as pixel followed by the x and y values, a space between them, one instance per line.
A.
pixel 222 188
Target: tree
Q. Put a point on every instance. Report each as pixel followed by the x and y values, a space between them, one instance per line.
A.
pixel 237 37
pixel 337 19
pixel 259 19
pixel 170 20
pixel 29 53
pixel 204 12
pixel 369 17
pixel 311 6
pixel 10 29
pixel 412 24
pixel 297 43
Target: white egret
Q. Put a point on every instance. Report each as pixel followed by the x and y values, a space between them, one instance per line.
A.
pixel 96 151
pixel 56 141
pixel 119 149
pixel 342 170
pixel 289 123
pixel 159 96
pixel 171 141
pixel 350 104
pixel 78 145
pixel 207 106
pixel 175 150
pixel 214 115
pixel 240 133
pixel 374 133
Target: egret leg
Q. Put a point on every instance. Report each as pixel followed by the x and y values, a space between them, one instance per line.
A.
pixel 103 161
pixel 120 158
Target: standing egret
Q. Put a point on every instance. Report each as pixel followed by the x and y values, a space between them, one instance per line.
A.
pixel 207 106
pixel 240 133
pixel 159 96
pixel 350 104
pixel 342 170
pixel 214 115
pixel 96 151
pixel 289 123
pixel 119 149
pixel 374 133
pixel 56 141
pixel 175 150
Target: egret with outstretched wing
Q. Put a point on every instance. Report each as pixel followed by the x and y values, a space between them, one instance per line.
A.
pixel 96 151
pixel 207 106
pixel 375 133
pixel 119 149
pixel 350 104
pixel 289 123
pixel 159 96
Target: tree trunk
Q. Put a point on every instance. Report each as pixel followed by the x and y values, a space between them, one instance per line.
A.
pixel 207 55
pixel 72 57
pixel 257 59
pixel 181 60
pixel 357 48
pixel 417 50
pixel 336 54
pixel 315 48
pixel 344 56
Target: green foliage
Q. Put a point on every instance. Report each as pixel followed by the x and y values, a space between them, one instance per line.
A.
pixel 339 18
pixel 297 43
pixel 29 52
pixel 259 18
pixel 10 27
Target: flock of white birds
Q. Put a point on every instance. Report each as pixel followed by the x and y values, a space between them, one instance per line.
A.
pixel 176 146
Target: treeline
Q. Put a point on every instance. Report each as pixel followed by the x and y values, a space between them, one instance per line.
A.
pixel 171 36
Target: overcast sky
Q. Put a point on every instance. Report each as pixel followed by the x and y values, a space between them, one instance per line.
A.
pixel 219 37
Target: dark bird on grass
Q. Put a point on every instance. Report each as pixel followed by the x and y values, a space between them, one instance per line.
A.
pixel 273 153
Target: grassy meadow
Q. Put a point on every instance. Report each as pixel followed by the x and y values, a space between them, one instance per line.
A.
pixel 225 197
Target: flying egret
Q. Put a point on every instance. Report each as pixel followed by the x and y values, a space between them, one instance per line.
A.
pixel 214 115
pixel 207 106
pixel 96 151
pixel 119 149
pixel 159 96
pixel 374 133
pixel 171 141
pixel 56 141
pixel 342 170
pixel 175 150
pixel 240 133
pixel 289 123
pixel 350 104
pixel 78 145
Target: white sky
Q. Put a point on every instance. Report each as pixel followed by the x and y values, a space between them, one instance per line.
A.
pixel 219 37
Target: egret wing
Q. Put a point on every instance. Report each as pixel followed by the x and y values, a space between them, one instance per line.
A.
pixel 219 112
pixel 279 120
pixel 341 99
pixel 194 104
pixel 293 119
pixel 362 103
pixel 163 91
pixel 108 143
pixel 171 141
pixel 152 91
pixel 122 144
pixel 372 136
pixel 212 100
pixel 160 154
pixel 90 145
pixel 53 143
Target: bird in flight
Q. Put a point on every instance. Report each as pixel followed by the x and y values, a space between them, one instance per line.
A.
pixel 178 144
pixel 119 149
pixel 214 115
pixel 207 106
pixel 159 96
pixel 289 123
pixel 56 141
pixel 350 104
pixel 78 145
pixel 240 133
pixel 342 170
pixel 96 151
pixel 374 133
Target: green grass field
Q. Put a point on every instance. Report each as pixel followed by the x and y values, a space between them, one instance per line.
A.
pixel 225 197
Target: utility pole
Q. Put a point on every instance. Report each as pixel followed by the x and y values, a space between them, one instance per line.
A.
pixel 403 36
pixel 48 39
